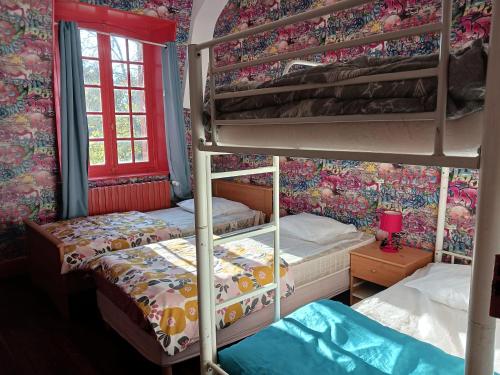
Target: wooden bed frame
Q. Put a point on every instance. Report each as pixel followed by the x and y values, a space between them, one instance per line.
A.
pixel 46 251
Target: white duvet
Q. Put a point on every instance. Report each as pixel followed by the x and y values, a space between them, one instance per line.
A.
pixel 411 312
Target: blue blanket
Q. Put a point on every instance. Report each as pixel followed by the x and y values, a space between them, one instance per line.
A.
pixel 327 337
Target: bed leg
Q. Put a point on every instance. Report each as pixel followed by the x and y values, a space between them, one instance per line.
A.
pixel 167 370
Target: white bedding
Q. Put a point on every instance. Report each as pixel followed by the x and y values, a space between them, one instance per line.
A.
pixel 462 137
pixel 184 220
pixel 310 261
pixel 411 312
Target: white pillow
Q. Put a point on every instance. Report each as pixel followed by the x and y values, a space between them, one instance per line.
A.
pixel 445 283
pixel 313 228
pixel 220 206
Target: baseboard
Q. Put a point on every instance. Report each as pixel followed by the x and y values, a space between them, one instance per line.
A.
pixel 13 267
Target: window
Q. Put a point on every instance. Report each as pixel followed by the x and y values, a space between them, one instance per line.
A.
pixel 126 131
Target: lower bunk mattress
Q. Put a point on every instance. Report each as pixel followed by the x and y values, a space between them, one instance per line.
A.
pixel 313 272
pixel 327 337
pixel 400 319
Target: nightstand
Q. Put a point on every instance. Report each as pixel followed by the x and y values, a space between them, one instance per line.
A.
pixel 373 270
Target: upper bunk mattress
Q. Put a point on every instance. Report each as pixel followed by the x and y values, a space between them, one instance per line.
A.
pixel 466 89
pixel 290 118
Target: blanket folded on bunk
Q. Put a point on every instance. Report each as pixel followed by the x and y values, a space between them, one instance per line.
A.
pixel 327 337
pixel 86 237
pixel 466 91
pixel 161 279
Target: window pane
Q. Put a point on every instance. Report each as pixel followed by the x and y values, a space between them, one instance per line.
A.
pixel 123 126
pixel 141 151
pixel 95 126
pixel 138 101
pixel 136 75
pixel 93 99
pixel 96 153
pixel 124 152
pixel 120 76
pixel 140 127
pixel 91 72
pixel 118 48
pixel 134 51
pixel 88 41
pixel 121 101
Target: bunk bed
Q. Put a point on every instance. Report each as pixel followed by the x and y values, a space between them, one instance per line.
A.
pixel 60 251
pixel 425 138
pixel 391 318
pixel 314 270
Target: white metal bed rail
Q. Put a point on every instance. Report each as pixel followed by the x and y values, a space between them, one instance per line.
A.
pixel 441 72
pixel 209 315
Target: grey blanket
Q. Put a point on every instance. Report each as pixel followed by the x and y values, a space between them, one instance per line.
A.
pixel 467 77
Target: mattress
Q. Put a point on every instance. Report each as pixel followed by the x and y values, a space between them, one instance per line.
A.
pixel 184 220
pixel 410 312
pixel 466 89
pixel 309 261
pixel 462 136
pixel 329 338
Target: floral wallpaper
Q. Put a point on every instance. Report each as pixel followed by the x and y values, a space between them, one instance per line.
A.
pixel 356 192
pixel 28 150
pixel 28 145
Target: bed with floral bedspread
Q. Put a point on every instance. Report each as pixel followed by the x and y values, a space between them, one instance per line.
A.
pixel 87 237
pixel 161 280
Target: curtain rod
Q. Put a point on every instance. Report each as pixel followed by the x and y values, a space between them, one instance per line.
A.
pixel 121 36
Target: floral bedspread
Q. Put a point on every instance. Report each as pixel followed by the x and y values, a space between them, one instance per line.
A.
pixel 86 237
pixel 161 279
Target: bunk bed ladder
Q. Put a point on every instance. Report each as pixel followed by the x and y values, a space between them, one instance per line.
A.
pixel 273 226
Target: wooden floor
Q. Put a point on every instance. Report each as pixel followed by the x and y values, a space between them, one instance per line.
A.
pixel 34 340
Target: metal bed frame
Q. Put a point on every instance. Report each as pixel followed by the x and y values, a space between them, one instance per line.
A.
pixel 481 328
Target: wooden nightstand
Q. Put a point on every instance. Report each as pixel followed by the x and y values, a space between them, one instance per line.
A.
pixel 372 270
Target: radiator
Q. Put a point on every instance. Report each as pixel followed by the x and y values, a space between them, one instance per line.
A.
pixel 145 196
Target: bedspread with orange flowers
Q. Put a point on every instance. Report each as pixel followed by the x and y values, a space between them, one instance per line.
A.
pixel 161 279
pixel 86 237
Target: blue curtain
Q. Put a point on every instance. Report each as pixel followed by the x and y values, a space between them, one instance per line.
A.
pixel 178 161
pixel 74 130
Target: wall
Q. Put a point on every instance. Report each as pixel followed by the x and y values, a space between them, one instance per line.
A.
pixel 356 192
pixel 28 150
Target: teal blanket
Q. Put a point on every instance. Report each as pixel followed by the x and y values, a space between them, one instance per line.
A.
pixel 327 337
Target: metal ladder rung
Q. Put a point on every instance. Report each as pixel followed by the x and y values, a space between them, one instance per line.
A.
pixel 246 172
pixel 245 233
pixel 217 369
pixel 245 296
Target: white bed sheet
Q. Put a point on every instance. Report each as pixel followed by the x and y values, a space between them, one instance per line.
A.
pixel 411 312
pixel 310 261
pixel 184 220
pixel 462 137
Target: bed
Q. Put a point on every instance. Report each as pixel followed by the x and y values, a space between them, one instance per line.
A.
pixel 59 251
pixel 315 271
pixel 404 314
pixel 416 138
pixel 302 114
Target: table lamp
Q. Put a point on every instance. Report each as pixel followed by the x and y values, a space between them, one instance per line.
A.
pixel 391 222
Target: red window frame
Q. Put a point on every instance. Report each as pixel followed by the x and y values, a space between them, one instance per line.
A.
pixel 157 163
pixel 132 26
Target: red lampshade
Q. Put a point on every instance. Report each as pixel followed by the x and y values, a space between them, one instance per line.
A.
pixel 391 221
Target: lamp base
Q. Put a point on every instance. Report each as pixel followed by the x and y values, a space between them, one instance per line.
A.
pixel 389 249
